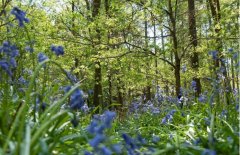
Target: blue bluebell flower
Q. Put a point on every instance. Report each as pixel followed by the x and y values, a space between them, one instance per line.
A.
pixel 230 49
pixel 208 152
pixel 184 68
pixel 42 57
pixel 168 117
pixel 13 62
pixel 97 140
pixel 58 50
pixel 155 139
pixel 105 150
pixel 117 148
pixel 29 49
pixel 109 116
pixel 20 16
pixel 214 54
pixel 76 99
pixel 129 141
pixel 202 98
pixel 194 85
pixel 87 153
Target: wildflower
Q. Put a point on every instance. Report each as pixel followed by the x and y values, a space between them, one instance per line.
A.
pixel 117 148
pixel 97 140
pixel 106 151
pixel 6 67
pixel 184 68
pixel 87 153
pixel 129 141
pixel 20 16
pixel 208 152
pixel 85 108
pixel 58 50
pixel 168 117
pixel 29 49
pixel 214 54
pixel 202 98
pixel 194 85
pixel 92 127
pixel 155 139
pixel 42 57
pixel 109 116
pixel 76 99
pixel 230 49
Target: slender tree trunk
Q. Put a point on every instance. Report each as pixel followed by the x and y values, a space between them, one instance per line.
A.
pixel 215 10
pixel 97 96
pixel 173 33
pixel 193 40
pixel 148 87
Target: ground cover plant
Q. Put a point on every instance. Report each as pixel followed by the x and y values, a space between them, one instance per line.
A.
pixel 91 79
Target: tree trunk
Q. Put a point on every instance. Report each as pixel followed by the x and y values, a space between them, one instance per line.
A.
pixel 97 96
pixel 193 41
pixel 215 10
pixel 173 33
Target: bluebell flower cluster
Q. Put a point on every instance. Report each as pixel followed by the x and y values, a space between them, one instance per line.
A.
pixel 168 117
pixel 76 99
pixel 20 16
pixel 97 128
pixel 8 54
pixel 58 50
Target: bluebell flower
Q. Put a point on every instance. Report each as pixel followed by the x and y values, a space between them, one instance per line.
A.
pixel 155 139
pixel 92 127
pixel 197 141
pixel 76 99
pixel 230 49
pixel 20 16
pixel 214 54
pixel 109 116
pixel 237 107
pixel 208 152
pixel 85 108
pixel 129 141
pixel 224 113
pixel 29 49
pixel 71 77
pixel 106 151
pixel 184 68
pixel 207 121
pixel 117 148
pixel 13 62
pixel 6 67
pixel 194 85
pixel 202 98
pixel 87 153
pixel 97 140
pixel 58 50
pixel 42 57
pixel 168 117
